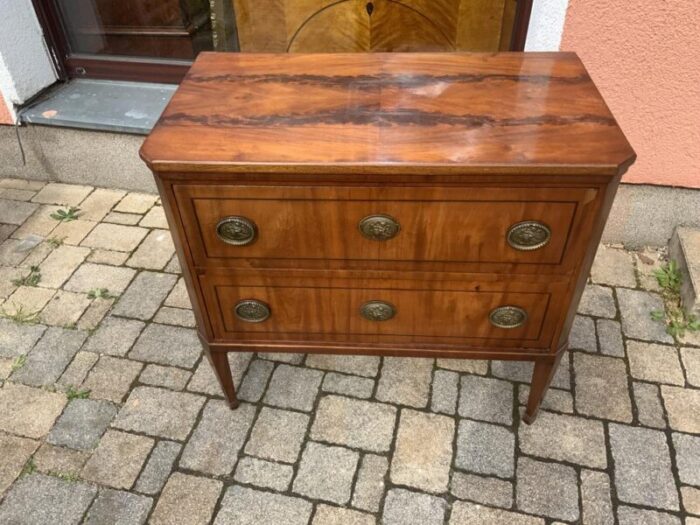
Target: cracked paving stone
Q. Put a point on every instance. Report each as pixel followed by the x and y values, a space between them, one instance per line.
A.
pixel 353 386
pixel 29 412
pixel 14 451
pixel 186 500
pixel 218 438
pixel 486 399
pixel 277 435
pixel 117 506
pixel 165 376
pixel 565 438
pixel 17 339
pixel 687 457
pixel 601 387
pixel 683 408
pixel 423 452
pixel 635 309
pixel 598 301
pixel 255 380
pixel 294 387
pixel 159 412
pixel 326 473
pixel 548 489
pixel 632 516
pixel 642 467
pixel 655 363
pixel 610 337
pixel 261 473
pixel 145 295
pixel 648 402
pixel 521 372
pixel 115 336
pixel 445 392
pixel 205 381
pixel 82 424
pixel 595 498
pixel 485 448
pixel 354 423
pixel 405 507
pixel 37 499
pixel 158 467
pixel 118 459
pixel 582 335
pixel 245 506
pixel 327 515
pixel 489 491
pixel 405 381
pixel 464 513
pixel 360 365
pixel 369 488
pixel 111 378
pixel 167 345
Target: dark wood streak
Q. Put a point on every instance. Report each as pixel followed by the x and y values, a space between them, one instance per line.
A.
pixel 382 118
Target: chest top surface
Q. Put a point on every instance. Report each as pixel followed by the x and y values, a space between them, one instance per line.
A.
pixel 457 112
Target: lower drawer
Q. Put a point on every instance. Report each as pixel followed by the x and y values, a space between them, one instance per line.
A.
pixel 258 307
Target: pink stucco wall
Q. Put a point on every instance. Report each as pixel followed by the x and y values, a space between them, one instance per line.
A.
pixel 5 116
pixel 644 56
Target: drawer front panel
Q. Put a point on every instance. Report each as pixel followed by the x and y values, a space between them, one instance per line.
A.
pixel 415 224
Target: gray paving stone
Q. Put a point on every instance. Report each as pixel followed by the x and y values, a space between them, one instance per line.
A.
pixel 159 412
pixel 283 357
pixel 464 513
pixel 293 387
pixel 595 498
pixel 78 369
pixel 116 507
pixel 610 337
pixel 613 267
pixel 255 380
pixel 186 500
pixel 15 452
pixel 261 473
pixel 353 386
pixel 115 336
pixel 16 212
pixel 486 399
pixel 327 515
pixel 360 365
pixel 155 218
pixel 218 438
pixel 404 507
pixel 635 309
pixel 17 339
pixel 111 378
pixel 98 203
pixel 82 424
pixel 548 489
pixel 37 499
pixel 521 372
pixel 95 313
pixel 60 264
pixel 167 345
pixel 405 381
pixel 647 399
pixel 178 297
pixel 445 392
pixel 468 366
pixel 369 487
pixel 244 506
pixel 326 473
pixel 683 408
pixel 63 194
pixel 29 299
pixel 423 453
pixel 654 362
pixel 145 295
pixel 29 412
pixel 691 363
pixel 631 516
pixel 173 266
pixel 691 501
pixel 205 381
pixel 176 317
pixel 107 257
pixel 582 335
pixel 277 435
pixel 598 301
pixel 687 457
pixel 354 423
pixel 50 357
pixel 136 202
pixel 154 252
pixel 565 438
pixel 65 308
pixel 485 448
pixel 115 237
pixel 126 219
pixel 118 459
pixel 91 276
pixel 489 491
pixel 601 387
pixel 158 468
pixel 642 467
pixel 165 376
pixel 555 399
pixel 53 459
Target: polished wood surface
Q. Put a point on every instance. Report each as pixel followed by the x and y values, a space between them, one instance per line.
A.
pixel 326 26
pixel 457 148
pixel 401 112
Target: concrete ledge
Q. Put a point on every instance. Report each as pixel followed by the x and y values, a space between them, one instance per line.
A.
pixel 685 250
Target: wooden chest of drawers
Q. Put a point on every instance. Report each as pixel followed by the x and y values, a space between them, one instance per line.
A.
pixel 442 205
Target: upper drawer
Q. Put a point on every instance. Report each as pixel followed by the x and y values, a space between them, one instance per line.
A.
pixel 416 224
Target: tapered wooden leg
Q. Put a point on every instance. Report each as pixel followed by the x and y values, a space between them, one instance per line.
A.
pixel 219 362
pixel 541 377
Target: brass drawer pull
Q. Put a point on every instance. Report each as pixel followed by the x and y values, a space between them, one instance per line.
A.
pixel 379 227
pixel 377 311
pixel 508 317
pixel 236 230
pixel 251 311
pixel 529 235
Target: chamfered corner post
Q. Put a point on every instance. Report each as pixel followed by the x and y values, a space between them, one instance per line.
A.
pixel 541 378
pixel 222 370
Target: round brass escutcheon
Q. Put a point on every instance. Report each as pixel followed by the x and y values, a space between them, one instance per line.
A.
pixel 251 311
pixel 508 317
pixel 377 311
pixel 379 227
pixel 236 230
pixel 528 235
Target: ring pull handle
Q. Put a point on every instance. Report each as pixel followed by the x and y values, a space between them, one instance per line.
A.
pixel 377 311
pixel 528 235
pixel 236 230
pixel 379 227
pixel 508 317
pixel 252 311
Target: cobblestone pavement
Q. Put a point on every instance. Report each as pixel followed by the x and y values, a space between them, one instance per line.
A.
pixel 108 414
